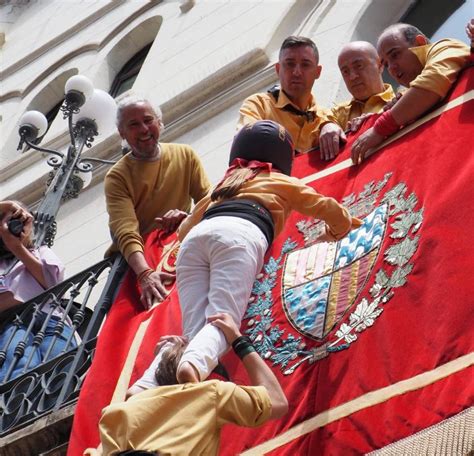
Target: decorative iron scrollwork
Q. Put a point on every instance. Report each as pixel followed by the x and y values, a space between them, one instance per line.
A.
pixel 56 380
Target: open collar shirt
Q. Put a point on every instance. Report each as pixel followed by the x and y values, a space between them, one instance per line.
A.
pixel 344 112
pixel 303 126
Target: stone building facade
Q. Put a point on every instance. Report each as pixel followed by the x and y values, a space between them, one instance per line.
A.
pixel 203 58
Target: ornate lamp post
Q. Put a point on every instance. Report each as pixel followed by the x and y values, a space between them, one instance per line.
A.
pixel 88 111
pixel 39 325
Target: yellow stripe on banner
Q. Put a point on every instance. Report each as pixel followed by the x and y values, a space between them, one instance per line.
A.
pixel 352 286
pixel 124 380
pixel 436 113
pixel 332 301
pixel 363 402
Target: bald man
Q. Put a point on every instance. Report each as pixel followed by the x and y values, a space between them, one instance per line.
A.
pixel 428 70
pixel 361 69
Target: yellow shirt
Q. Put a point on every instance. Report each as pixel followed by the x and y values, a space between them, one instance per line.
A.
pixel 281 194
pixel 181 420
pixel 442 61
pixel 137 191
pixel 304 129
pixel 342 113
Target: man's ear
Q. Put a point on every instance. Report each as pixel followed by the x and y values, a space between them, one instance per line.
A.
pixel 120 132
pixel 319 68
pixel 277 68
pixel 420 40
pixel 380 66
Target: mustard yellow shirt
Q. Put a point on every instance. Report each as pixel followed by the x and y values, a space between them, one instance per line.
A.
pixel 442 61
pixel 181 420
pixel 344 112
pixel 137 191
pixel 304 130
pixel 281 194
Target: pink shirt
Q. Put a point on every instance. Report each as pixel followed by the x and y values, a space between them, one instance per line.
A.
pixel 22 284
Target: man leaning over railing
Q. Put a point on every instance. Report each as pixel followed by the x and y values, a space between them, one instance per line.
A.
pixel 153 185
pixel 427 69
pixel 361 70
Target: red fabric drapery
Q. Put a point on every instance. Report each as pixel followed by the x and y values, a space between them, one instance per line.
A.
pixel 424 182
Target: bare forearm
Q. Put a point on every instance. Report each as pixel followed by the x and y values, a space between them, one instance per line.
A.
pixel 413 104
pixel 261 375
pixel 138 262
pixel 32 264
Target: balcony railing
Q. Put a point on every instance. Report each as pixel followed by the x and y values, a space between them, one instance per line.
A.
pixel 47 344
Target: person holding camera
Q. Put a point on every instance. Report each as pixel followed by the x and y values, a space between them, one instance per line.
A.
pixel 25 272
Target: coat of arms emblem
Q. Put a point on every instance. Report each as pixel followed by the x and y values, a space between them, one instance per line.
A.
pixel 322 281
pixel 324 285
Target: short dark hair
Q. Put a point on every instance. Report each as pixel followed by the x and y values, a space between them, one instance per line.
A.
pixel 408 31
pixel 299 41
pixel 165 373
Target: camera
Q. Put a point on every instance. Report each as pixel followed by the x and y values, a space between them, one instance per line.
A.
pixel 15 226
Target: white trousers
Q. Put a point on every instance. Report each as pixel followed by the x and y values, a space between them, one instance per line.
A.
pixel 216 268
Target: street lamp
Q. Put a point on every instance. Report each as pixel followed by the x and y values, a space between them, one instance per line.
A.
pixel 89 111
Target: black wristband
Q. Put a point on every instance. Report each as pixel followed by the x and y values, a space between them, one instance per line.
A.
pixel 242 346
pixel 241 340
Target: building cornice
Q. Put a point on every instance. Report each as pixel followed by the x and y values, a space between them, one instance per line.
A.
pixel 61 38
pixel 69 56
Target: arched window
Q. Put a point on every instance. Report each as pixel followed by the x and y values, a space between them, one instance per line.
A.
pixel 129 72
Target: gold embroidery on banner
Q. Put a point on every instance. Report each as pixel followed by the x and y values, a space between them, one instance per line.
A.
pixel 330 256
pixel 332 301
pixel 168 257
pixel 352 286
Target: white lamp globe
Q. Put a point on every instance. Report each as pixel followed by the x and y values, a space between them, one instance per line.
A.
pixel 34 119
pixel 102 109
pixel 79 83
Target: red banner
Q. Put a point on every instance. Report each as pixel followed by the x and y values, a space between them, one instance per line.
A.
pixel 370 337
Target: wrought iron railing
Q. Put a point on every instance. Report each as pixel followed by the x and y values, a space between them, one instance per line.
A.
pixel 47 344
